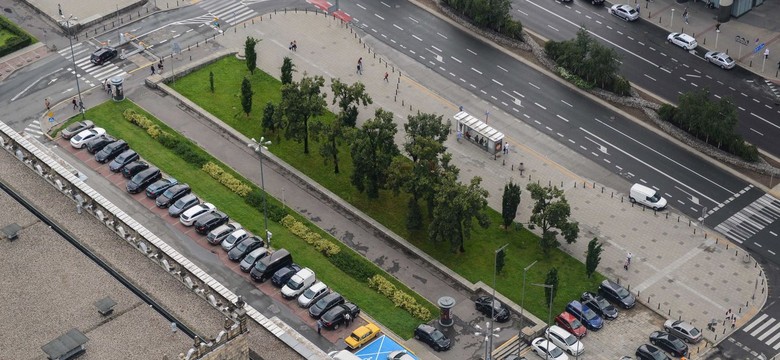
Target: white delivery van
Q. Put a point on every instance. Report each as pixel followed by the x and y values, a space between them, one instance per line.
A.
pixel 298 283
pixel 647 197
pixel 343 355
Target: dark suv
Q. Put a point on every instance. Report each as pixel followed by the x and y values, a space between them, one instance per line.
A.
pixel 210 221
pixel 103 55
pixel 122 160
pixel 336 316
pixel 110 151
pixel 173 193
pixel 97 144
pixel 143 179
pixel 617 294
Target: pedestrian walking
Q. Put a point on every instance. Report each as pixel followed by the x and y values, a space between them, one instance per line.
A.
pixel 685 15
pixel 295 45
pixel 47 103
pixel 629 255
pixel 625 265
pixel 386 76
pixel 152 68
pixel 766 54
pixel 75 103
pixel 460 135
pixel 174 328
pixel 319 328
pixel 637 8
pixel 290 47
pixel 360 69
pixel 81 106
pixel 733 323
pixel 347 318
pixel 160 67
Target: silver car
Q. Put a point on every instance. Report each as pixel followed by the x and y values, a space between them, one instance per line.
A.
pixel 233 239
pixel 220 233
pixel 682 40
pixel 683 330
pixel 721 59
pixel 624 11
pixel 249 261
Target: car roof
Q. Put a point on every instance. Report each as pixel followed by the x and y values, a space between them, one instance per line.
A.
pixel 559 330
pixel 566 316
pixel 317 285
pixel 305 272
pixel 188 197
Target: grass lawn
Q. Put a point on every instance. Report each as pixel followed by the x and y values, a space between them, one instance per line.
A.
pixel 475 265
pixel 109 116
pixel 5 35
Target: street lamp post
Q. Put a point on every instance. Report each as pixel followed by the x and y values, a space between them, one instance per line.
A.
pixel 66 22
pixel 522 303
pixel 259 146
pixel 549 315
pixel 489 345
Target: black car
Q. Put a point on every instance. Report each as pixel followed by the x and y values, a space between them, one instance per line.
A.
pixel 596 2
pixel 283 275
pixel 143 179
pixel 156 189
pixel 134 168
pixel 173 193
pixel 669 342
pixel 123 159
pixel 433 337
pixel 244 247
pixel 98 143
pixel 210 221
pixel 181 205
pixel 617 294
pixel 488 307
pixel 650 352
pixel 103 55
pixel 335 316
pixel 323 305
pixel 600 305
pixel 110 151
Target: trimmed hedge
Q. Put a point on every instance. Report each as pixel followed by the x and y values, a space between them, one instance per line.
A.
pixel 324 246
pixel 399 298
pixel 19 41
pixel 226 179
pixel 255 200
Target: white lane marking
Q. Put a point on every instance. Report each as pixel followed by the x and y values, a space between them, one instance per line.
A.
pixel 518 94
pixel 385 4
pixel 524 13
pixel 668 71
pixel 607 161
pixel 664 156
pixel 716 95
pixel 652 48
pixel 361 6
pixel 756 100
pixel 538 88
pixel 732 89
pixel 640 43
pixel 469 50
pixel 476 71
pixel 692 75
pixel 773 253
pixel 505 70
pixel 649 77
pixel 583 148
pixel 456 59
pixel 442 35
pixel 548 128
pixel 743 94
pixel 461 80
pixel 694 84
pixel 762 119
pixel 570 105
pixel 592 33
pixel 741 108
pixel 572 141
pixel 496 81
pixel 767 106
pixel 756 131
pixel 416 37
pixel 537 104
pixel 380 18
pixel 398 27
pixel 33 83
pixel 413 19
pixel 551 27
pixel 773 233
pixel 609 27
pixel 483 92
pixel 435 48
pixel 562 118
pixel 630 38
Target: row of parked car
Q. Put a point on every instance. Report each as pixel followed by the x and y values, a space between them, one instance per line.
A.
pixel 590 312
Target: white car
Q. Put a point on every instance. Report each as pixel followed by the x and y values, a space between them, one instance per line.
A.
pixel 547 350
pixel 564 340
pixel 234 238
pixel 81 138
pixel 298 283
pixel 721 59
pixel 192 214
pixel 682 40
pixel 399 355
pixel 624 11
pixel 312 294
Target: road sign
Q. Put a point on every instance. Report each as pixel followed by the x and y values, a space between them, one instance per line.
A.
pixel 51 119
pixel 741 40
pixel 759 47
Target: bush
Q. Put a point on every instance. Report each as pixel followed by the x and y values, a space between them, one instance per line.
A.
pixel 398 297
pixel 620 86
pixel 154 131
pixel 302 231
pixel 275 212
pixel 226 179
pixel 666 112
pixel 189 155
pixel 354 265
pixel 168 140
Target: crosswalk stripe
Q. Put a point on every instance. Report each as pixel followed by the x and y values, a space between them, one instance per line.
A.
pixel 770 341
pixel 755 322
pixel 751 219
pixel 762 327
pixel 769 332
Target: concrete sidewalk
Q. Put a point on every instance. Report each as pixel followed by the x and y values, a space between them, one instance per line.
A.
pixel 676 272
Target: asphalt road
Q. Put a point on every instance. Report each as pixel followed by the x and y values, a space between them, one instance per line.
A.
pixel 649 61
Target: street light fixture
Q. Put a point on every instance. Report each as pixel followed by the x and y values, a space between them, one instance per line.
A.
pixel 522 301
pixel 66 22
pixel 259 146
pixel 489 339
pixel 549 315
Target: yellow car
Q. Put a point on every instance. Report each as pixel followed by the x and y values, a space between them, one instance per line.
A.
pixel 362 335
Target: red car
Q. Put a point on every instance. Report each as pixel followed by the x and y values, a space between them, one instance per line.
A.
pixel 569 323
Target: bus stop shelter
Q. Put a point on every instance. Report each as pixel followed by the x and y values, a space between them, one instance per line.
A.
pixel 479 133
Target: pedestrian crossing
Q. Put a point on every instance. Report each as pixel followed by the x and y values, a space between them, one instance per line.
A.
pixel 97 73
pixel 226 12
pixel 763 330
pixel 751 219
pixel 34 129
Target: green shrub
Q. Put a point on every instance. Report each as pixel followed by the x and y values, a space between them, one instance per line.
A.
pixel 276 212
pixel 226 179
pixel 620 86
pixel 667 112
pixel 353 265
pixel 398 297
pixel 302 231
pixel 255 199
pixel 189 155
pixel 168 140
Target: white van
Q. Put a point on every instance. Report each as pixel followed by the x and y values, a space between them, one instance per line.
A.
pixel 298 283
pixel 647 197
pixel 343 355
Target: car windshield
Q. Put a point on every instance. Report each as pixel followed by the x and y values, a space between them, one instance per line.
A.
pixel 622 292
pixel 570 340
pixel 589 314
pixel 655 197
pixel 138 177
pixel 437 335
pixel 242 246
pixel 694 332
pixel 260 266
pixel 576 324
pixel 293 284
pixel 180 203
pixel 168 193
pixel 556 352
pixel 603 303
pixel 120 159
pixel 309 293
pixel 677 343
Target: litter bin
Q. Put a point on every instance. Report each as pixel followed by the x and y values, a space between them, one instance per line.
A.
pixel 116 87
pixel 446 303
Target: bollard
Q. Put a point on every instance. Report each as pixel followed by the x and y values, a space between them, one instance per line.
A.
pixel 705 235
pixel 512 167
pixel 705 41
pixel 575 184
pixel 689 222
pixel 621 199
pixel 503 162
pixel 659 306
pixel 751 63
pixel 727 246
pixel 549 183
pixel 678 218
pixel 602 189
pixel 402 102
pixel 694 231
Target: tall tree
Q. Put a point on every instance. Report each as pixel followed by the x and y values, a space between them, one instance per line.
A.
pixel 593 257
pixel 455 208
pixel 509 203
pixel 551 213
pixel 330 136
pixel 349 97
pixel 300 102
pixel 269 123
pixel 500 260
pixel 551 279
pixel 287 70
pixel 373 149
pixel 251 55
pixel 246 96
pixel 211 81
